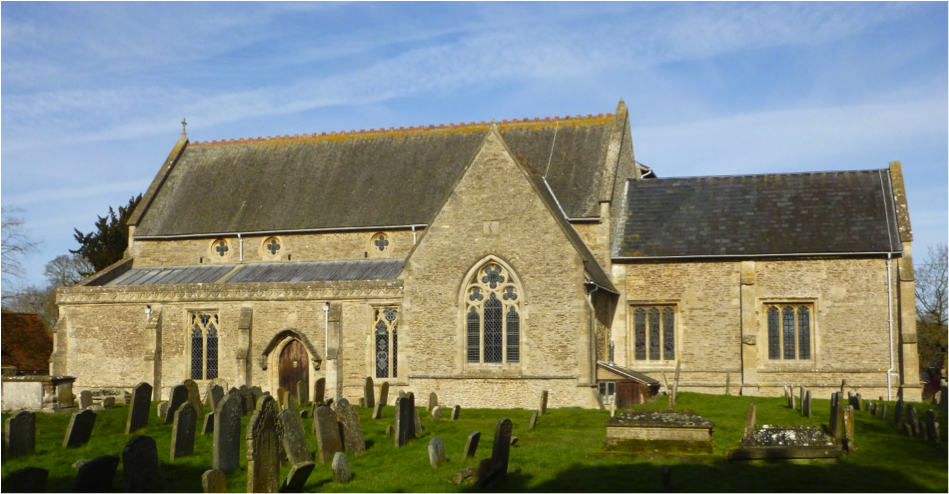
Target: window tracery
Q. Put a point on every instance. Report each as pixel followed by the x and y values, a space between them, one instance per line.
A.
pixel 204 345
pixel 493 316
pixel 789 331
pixel 654 333
pixel 385 336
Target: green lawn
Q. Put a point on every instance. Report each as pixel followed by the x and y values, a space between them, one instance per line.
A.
pixel 564 453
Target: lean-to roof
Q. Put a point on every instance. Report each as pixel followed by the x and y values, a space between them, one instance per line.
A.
pixel 796 213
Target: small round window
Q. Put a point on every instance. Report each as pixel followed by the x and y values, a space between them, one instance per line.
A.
pixel 219 248
pixel 272 246
pixel 380 242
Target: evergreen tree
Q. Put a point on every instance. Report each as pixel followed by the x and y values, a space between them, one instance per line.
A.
pixel 107 243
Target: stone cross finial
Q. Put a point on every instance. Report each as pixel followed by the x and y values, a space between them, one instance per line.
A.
pixel 184 124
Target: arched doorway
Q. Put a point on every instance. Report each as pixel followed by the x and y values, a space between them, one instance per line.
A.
pixel 294 367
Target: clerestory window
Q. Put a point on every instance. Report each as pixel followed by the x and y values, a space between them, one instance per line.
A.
pixel 492 316
pixel 386 337
pixel 204 344
pixel 789 331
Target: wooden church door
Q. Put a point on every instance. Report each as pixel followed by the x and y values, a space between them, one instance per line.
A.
pixel 627 395
pixel 294 367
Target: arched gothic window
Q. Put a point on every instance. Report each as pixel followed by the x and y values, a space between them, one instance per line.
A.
pixel 492 316
pixel 204 345
pixel 385 335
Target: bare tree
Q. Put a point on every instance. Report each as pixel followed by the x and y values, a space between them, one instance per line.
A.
pixel 17 244
pixel 66 270
pixel 931 305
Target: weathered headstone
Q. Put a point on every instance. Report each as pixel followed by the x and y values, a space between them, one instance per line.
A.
pixel 163 409
pixel 194 396
pixel 793 401
pixel 319 394
pixel 931 426
pixel 263 448
pixel 327 433
pixel 369 393
pixel 937 437
pixel 140 464
pixel 543 402
pixel 108 402
pixel 80 429
pixel 227 434
pixel 216 394
pixel 341 471
pixel 436 452
pixel 923 433
pixel 97 475
pixel 390 430
pixel 401 395
pixel 883 411
pixel 838 419
pixel 750 418
pixel 533 422
pixel 293 437
pixel 403 422
pixel 304 414
pixel 29 479
pixel 437 413
pixel 907 429
pixel 85 399
pixel 247 399
pixel 501 452
pixel 377 411
pixel 913 418
pixel 787 395
pixel 353 442
pixel 898 412
pixel 806 404
pixel 303 391
pixel 471 445
pixel 183 432
pixel 455 412
pixel 293 403
pixel 179 396
pixel 432 401
pixel 849 443
pixel 297 476
pixel 208 426
pixel 214 481
pixel 873 409
pixel 803 392
pixel 384 393
pixel 19 436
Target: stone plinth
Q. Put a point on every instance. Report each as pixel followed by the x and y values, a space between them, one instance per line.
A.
pixel 658 425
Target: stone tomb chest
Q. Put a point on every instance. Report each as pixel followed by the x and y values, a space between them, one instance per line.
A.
pixel 658 425
pixel 787 443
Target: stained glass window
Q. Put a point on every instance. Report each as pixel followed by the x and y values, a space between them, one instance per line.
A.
pixel 493 316
pixel 774 333
pixel 789 332
pixel 204 345
pixel 385 325
pixel 382 350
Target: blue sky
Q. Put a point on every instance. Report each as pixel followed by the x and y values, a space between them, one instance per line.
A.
pixel 92 94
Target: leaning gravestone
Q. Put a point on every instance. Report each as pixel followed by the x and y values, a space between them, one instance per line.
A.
pixel 369 393
pixel 533 422
pixel 263 448
pixel 326 428
pixel 140 464
pixel 455 412
pixel 417 424
pixel 432 401
pixel 29 479
pixel 19 437
pixel 384 393
pixel 97 475
pixel 377 411
pixel 183 432
pixel 85 399
pixel 292 437
pixel 471 445
pixel 194 396
pixel 750 418
pixel 303 391
pixel 214 481
pixel 898 412
pixel 543 402
pixel 297 476
pixel 227 434
pixel 319 393
pixel 179 396
pixel 403 422
pixel 208 427
pixel 436 452
pixel 163 409
pixel 353 441
pixel 80 429
pixel 341 471
pixel 849 443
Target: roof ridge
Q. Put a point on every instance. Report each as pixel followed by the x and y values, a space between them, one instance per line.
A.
pixel 821 172
pixel 462 126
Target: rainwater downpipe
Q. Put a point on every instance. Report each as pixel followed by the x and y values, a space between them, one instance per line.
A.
pixel 326 337
pixel 889 298
pixel 240 240
pixel 414 236
pixel 592 330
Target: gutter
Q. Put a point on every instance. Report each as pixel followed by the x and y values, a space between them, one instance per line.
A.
pixel 282 232
pixel 744 256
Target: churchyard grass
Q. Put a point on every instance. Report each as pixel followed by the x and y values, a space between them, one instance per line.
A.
pixel 563 453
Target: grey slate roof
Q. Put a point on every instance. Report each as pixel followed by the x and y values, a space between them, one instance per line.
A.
pixel 170 275
pixel 381 269
pixel 392 178
pixel 636 376
pixel 797 213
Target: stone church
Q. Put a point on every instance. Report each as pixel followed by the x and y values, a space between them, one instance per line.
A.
pixel 491 261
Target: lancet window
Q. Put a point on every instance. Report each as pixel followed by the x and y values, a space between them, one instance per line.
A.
pixel 386 338
pixel 492 316
pixel 203 327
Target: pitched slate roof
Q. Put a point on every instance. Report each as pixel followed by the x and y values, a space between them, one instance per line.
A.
pixel 365 179
pixel 26 342
pixel 376 269
pixel 796 213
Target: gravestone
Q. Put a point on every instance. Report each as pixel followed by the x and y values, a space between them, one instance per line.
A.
pixel 263 448
pixel 432 401
pixel 418 427
pixel 163 409
pixel 455 412
pixel 403 422
pixel 865 405
pixel 227 434
pixel 384 393
pixel 436 452
pixel 247 399
pixel 85 399
pixel 543 402
pixel 913 418
pixel 937 437
pixel 942 397
pixel 179 396
pixel 533 422
pixel 501 452
pixel 849 443
pixel 843 385
pixel 803 392
pixel 326 428
pixel 352 437
pixel 369 393
pixel 29 479
pixel 304 414
pixel 390 430
pixel 194 396
pixel 293 437
pixel 319 394
pixel 922 434
pixel 377 411
pixel 341 471
pixel 183 432
pixel 138 407
pixel 80 429
pixel 793 401
pixel 471 445
pixel 806 404
pixel 898 412
pixel 437 413
pixel 303 391
pixel 750 418
pixel 787 395
pixel 838 418
pixel 297 477
pixel 97 475
pixel 401 394
pixel 931 425
pixel 214 481
pixel 216 394
pixel 293 403
pixel 108 402
pixel 208 427
pixel 140 464
pixel 19 436
pixel 873 409
pixel 883 411
pixel 907 429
